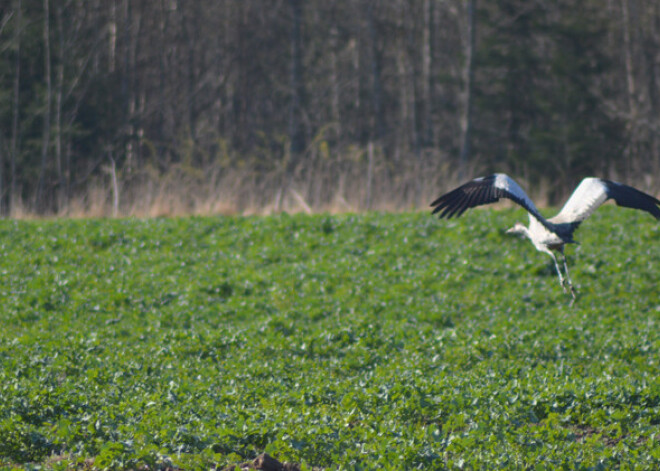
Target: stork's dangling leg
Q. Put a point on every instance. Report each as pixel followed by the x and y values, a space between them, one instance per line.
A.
pixel 568 278
pixel 561 278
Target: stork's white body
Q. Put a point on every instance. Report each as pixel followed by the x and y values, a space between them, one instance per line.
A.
pixel 541 237
pixel 547 235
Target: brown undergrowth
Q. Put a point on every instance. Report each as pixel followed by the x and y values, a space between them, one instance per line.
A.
pixel 353 184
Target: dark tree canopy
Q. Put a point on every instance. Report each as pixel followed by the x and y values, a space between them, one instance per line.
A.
pixel 332 101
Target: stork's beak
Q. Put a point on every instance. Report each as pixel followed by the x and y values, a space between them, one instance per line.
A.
pixel 511 231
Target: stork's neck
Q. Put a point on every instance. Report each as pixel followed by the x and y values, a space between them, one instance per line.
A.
pixel 535 229
pixel 524 230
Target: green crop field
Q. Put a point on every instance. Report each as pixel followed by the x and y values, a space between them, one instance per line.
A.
pixel 376 341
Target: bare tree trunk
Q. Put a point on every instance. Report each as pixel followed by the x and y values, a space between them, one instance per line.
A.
pixel 228 113
pixel 427 71
pixel 416 99
pixel 115 185
pixel 361 102
pixel 628 56
pixel 112 37
pixel 189 75
pixel 404 98
pixel 378 129
pixel 631 88
pixel 129 85
pixel 295 126
pixel 59 85
pixel 428 95
pixel 45 141
pixel 15 110
pixel 469 86
pixel 334 80
pixel 370 173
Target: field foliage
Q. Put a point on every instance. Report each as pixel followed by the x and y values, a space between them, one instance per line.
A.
pixel 376 341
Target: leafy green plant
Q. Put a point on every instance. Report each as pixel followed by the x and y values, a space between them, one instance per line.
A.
pixel 370 341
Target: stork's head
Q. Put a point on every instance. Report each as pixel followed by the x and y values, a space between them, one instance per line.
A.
pixel 519 229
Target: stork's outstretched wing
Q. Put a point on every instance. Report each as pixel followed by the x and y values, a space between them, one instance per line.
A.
pixel 482 191
pixel 592 192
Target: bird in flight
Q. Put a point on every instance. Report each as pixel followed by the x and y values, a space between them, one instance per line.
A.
pixel 547 235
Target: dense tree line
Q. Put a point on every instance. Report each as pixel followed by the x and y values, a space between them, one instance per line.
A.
pixel 349 92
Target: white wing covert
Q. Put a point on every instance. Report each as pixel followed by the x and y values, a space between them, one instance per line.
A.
pixel 587 197
pixel 593 192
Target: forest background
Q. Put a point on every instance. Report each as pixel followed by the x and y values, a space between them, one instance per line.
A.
pixel 162 107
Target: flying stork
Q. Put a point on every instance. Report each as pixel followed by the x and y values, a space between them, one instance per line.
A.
pixel 547 235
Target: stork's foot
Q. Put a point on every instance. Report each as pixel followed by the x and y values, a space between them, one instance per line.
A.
pixel 568 289
pixel 573 293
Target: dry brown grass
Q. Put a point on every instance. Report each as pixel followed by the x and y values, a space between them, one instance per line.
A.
pixel 320 185
pixel 351 184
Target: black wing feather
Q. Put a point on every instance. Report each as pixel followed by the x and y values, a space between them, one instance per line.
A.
pixel 630 197
pixel 474 195
pixel 469 195
pixel 462 203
